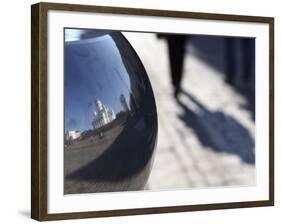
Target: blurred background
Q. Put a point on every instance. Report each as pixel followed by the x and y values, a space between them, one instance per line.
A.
pixel 204 89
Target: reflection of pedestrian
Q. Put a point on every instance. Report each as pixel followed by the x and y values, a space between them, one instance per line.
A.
pixel 176 50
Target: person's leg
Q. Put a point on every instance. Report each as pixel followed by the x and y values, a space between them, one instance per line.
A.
pixel 231 61
pixel 176 47
pixel 249 58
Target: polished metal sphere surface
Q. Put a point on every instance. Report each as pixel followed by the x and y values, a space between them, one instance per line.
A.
pixel 110 119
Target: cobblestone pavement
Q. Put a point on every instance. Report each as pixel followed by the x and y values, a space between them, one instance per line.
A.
pixel 206 138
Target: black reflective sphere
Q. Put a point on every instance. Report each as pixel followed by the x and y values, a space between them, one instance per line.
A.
pixel 110 119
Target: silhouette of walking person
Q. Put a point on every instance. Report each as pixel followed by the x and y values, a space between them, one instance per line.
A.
pixel 176 50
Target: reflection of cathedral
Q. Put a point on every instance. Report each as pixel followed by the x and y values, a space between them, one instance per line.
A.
pixel 103 115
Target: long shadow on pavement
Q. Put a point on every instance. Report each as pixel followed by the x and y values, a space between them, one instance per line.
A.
pixel 219 131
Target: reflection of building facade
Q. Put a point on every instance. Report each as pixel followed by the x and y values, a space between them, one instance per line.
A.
pixel 72 135
pixel 103 115
pixel 124 103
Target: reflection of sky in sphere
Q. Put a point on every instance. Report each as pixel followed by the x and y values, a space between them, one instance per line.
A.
pixel 93 69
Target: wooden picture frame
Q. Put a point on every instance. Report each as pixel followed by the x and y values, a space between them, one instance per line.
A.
pixel 39 109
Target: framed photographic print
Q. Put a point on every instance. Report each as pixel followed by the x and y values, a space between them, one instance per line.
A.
pixel 138 111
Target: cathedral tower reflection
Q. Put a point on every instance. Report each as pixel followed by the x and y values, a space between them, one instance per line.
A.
pixel 103 115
